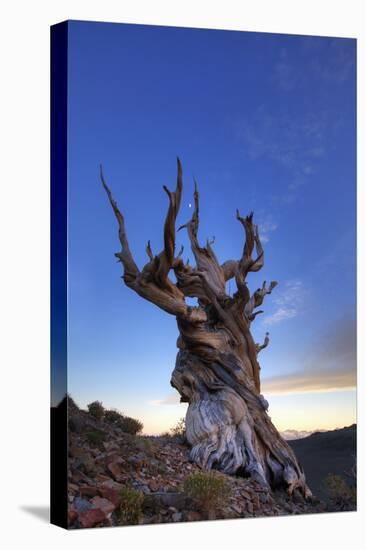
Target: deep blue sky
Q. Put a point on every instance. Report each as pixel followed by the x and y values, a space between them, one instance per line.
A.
pixel 263 122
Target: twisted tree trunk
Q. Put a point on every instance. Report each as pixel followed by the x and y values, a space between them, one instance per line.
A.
pixel 217 370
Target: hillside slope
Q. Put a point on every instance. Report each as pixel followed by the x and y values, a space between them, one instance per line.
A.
pixel 107 466
pixel 324 453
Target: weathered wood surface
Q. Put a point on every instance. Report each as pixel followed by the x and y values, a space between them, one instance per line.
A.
pixel 217 370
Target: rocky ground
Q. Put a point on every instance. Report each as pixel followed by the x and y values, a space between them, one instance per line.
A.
pixel 103 461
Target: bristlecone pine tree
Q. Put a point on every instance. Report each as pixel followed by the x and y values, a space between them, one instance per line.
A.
pixel 217 371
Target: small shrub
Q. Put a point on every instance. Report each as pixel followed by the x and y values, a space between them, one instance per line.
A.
pixel 145 445
pixel 96 409
pixel 179 430
pixel 207 489
pixel 95 437
pixel 342 496
pixel 71 403
pixel 130 425
pixel 130 508
pixel 112 415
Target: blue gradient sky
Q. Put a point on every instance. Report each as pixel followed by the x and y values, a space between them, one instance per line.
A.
pixel 265 123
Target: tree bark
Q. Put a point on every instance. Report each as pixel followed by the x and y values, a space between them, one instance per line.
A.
pixel 217 370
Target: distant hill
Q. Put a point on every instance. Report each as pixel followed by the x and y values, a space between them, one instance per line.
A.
pixel 324 453
pixel 289 435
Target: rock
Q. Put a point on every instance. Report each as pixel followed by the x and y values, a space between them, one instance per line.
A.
pixel 111 484
pixel 177 516
pixel 113 495
pixel 76 452
pixel 115 470
pixel 154 485
pixel 178 500
pixel 78 475
pixel 110 446
pixel 76 424
pixel 137 461
pixel 91 517
pixel 103 504
pixel 151 504
pixel 102 477
pixel 72 516
pixel 111 490
pixel 81 504
pixel 88 491
pixel 193 516
pixel 236 509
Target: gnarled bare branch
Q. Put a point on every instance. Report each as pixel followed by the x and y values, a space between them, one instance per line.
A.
pixel 257 299
pixel 205 257
pixel 152 283
pixel 166 257
pixel 125 256
pixel 259 347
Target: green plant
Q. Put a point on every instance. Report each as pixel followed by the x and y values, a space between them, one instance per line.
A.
pixel 96 409
pixel 130 508
pixel 341 495
pixel 113 416
pixel 130 425
pixel 95 437
pixel 207 489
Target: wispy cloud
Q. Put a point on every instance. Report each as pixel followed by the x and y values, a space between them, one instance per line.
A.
pixel 329 365
pixel 310 381
pixel 285 74
pixel 298 141
pixel 171 399
pixel 334 68
pixel 339 64
pixel 266 226
pixel 288 301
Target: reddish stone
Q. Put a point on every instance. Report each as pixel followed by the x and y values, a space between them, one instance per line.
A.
pixel 76 451
pixel 154 485
pixel 193 516
pixel 103 504
pixel 111 484
pixel 102 477
pixel 72 515
pixel 110 446
pixel 115 470
pixel 89 518
pixel 87 490
pixel 112 495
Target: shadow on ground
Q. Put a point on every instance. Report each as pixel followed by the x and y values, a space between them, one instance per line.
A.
pixel 40 512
